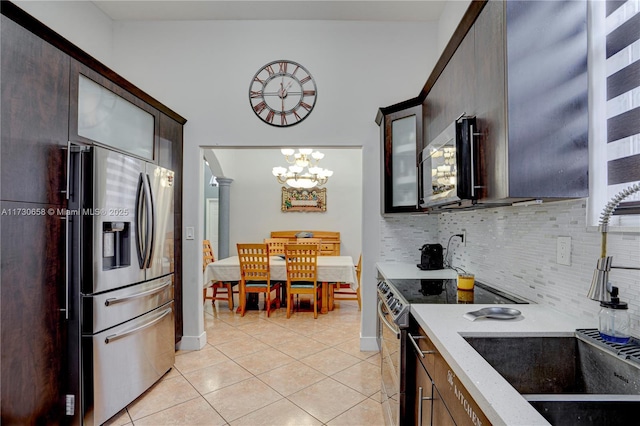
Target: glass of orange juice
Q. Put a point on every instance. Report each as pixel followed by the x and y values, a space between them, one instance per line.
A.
pixel 466 281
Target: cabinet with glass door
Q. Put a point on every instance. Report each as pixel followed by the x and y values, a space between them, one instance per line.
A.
pixel 401 137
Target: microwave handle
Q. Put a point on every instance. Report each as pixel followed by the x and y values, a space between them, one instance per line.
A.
pixel 473 162
pixel 419 178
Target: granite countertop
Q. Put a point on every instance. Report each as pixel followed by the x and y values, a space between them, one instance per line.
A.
pixel 446 326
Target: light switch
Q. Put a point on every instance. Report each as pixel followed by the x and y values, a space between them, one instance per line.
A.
pixel 563 252
pixel 190 233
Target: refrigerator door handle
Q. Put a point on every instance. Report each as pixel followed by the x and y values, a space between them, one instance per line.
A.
pixel 151 223
pixel 140 222
pixel 158 289
pixel 117 336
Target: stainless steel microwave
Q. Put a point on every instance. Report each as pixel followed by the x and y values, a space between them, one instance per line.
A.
pixel 448 166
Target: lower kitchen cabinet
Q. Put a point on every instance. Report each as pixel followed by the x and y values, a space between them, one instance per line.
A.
pixel 437 396
pixel 441 415
pixel 423 394
pixel 33 303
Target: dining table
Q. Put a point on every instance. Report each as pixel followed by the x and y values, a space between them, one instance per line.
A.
pixel 331 269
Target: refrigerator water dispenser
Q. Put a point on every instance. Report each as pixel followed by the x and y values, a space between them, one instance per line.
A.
pixel 115 245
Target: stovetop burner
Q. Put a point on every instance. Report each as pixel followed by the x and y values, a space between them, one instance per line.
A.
pixel 398 295
pixel 445 291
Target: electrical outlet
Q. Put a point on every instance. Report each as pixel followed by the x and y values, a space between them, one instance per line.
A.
pixel 563 252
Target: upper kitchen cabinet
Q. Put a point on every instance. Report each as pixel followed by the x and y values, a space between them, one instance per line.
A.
pixel 519 70
pixel 531 99
pixel 401 137
pixel 102 112
pixel 453 93
pixel 35 113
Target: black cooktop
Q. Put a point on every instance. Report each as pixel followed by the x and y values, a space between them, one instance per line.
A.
pixel 443 291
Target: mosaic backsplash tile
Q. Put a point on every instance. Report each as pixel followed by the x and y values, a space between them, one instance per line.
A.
pixel 514 249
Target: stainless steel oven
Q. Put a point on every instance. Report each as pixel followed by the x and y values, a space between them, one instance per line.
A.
pixel 389 342
pixel 392 331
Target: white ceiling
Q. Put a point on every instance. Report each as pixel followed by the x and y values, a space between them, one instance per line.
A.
pixel 376 10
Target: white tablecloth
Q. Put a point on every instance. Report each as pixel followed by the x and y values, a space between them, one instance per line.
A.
pixel 331 269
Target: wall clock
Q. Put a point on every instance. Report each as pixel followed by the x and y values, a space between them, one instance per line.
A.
pixel 282 93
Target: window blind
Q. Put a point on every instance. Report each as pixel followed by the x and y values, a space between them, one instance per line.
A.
pixel 623 100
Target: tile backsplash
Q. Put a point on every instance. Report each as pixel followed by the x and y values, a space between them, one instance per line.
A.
pixel 514 248
pixel 403 235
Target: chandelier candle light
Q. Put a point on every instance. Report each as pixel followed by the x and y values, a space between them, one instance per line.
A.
pixel 295 176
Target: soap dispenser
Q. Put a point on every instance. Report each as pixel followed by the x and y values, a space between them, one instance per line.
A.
pixel 614 319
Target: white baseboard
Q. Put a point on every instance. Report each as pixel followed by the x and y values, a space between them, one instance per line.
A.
pixel 192 343
pixel 369 344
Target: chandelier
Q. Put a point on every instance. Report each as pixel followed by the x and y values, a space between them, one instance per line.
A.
pixel 296 176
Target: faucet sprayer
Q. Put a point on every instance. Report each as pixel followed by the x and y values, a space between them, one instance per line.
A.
pixel 599 284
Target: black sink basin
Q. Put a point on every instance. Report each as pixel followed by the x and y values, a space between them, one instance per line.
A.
pixel 600 410
pixel 569 380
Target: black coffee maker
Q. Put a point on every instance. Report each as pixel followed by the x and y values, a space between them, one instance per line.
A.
pixel 431 258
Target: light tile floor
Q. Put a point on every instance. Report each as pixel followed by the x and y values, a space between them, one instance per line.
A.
pixel 256 370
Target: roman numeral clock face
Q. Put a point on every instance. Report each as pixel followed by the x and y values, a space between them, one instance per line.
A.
pixel 282 93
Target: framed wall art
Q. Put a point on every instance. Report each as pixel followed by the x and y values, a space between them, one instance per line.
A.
pixel 304 199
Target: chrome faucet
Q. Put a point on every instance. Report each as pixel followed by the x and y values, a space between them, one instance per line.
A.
pixel 600 286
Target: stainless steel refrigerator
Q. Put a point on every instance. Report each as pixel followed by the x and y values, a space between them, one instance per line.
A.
pixel 120 280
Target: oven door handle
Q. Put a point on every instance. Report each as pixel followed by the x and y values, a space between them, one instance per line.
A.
pixel 382 316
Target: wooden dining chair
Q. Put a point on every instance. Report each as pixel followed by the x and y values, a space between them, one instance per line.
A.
pixel 255 275
pixel 342 291
pixel 208 257
pixel 276 245
pixel 302 274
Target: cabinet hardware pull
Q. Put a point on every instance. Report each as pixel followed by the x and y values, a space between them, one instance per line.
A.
pixel 66 266
pixel 415 345
pixel 420 399
pixel 66 187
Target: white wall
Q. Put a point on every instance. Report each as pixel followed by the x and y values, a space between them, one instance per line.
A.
pixel 256 197
pixel 449 19
pixel 80 22
pixel 203 69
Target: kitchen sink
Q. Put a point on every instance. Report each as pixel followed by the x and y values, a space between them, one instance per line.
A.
pixel 574 380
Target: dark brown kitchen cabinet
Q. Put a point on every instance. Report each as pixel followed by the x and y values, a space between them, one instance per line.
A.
pixel 401 135
pixel 453 93
pixel 438 398
pixel 519 68
pixel 423 396
pixel 35 113
pixel 531 99
pixel 169 154
pixel 95 126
